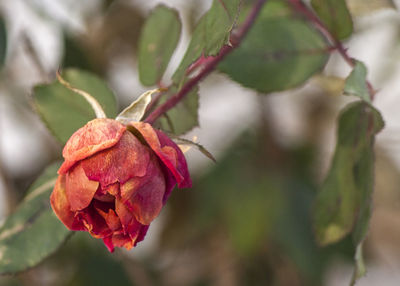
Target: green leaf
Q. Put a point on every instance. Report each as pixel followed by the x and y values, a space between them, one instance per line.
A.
pixel 280 52
pixel 157 42
pixel 356 83
pixel 136 110
pixel 32 232
pixel 64 111
pixel 336 17
pixel 184 116
pixel 3 41
pixel 211 33
pixel 344 200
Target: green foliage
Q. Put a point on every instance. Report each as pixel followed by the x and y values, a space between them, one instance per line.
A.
pixel 3 41
pixel 158 41
pixel 335 15
pixel 91 263
pixel 356 83
pixel 64 111
pixel 280 52
pixel 32 232
pixel 260 199
pixel 184 116
pixel 344 202
pixel 211 33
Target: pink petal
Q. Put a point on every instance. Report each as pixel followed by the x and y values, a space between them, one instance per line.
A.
pixel 181 167
pixel 96 135
pixel 142 234
pixel 108 243
pixel 168 152
pixel 79 189
pixel 130 225
pixel 144 196
pixel 61 206
pixel 127 159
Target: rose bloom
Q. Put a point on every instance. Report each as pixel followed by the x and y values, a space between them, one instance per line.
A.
pixel 115 180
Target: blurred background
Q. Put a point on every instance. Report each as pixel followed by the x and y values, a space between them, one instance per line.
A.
pixel 246 221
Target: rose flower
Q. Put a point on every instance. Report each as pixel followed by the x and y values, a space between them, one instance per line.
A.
pixel 115 180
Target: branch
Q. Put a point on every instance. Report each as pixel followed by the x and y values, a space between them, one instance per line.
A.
pixel 210 65
pixel 300 7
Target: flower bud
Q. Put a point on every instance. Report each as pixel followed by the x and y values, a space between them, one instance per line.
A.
pixel 115 180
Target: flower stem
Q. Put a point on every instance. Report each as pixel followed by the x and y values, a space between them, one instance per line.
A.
pixel 300 7
pixel 209 66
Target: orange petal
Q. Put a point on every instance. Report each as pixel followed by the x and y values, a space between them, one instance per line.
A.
pixel 125 216
pixel 79 189
pixel 61 206
pixel 128 158
pixel 144 196
pixel 121 240
pixel 113 189
pixel 96 135
pixel 111 219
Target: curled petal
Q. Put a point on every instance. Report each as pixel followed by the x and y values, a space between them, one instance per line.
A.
pixel 123 240
pixel 124 214
pixel 181 164
pixel 79 189
pixel 131 226
pixel 113 189
pixel 96 135
pixel 108 243
pixel 61 206
pixel 111 219
pixel 144 195
pixel 128 158
pixel 94 223
pixel 168 152
pixel 142 233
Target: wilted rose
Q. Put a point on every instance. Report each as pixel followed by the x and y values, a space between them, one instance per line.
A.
pixel 115 180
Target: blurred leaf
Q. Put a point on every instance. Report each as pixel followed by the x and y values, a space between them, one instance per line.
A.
pixel 184 116
pixel 336 17
pixel 280 52
pixel 158 40
pixel 75 56
pixel 240 197
pixel 3 41
pixel 333 85
pixel 136 110
pixel 91 263
pixel 356 83
pixel 211 33
pixel 344 200
pixel 363 7
pixel 32 232
pixel 64 111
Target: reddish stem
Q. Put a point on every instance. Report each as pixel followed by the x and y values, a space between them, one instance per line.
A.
pixel 209 65
pixel 299 6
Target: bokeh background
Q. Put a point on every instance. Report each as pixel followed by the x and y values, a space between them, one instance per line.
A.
pixel 246 221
